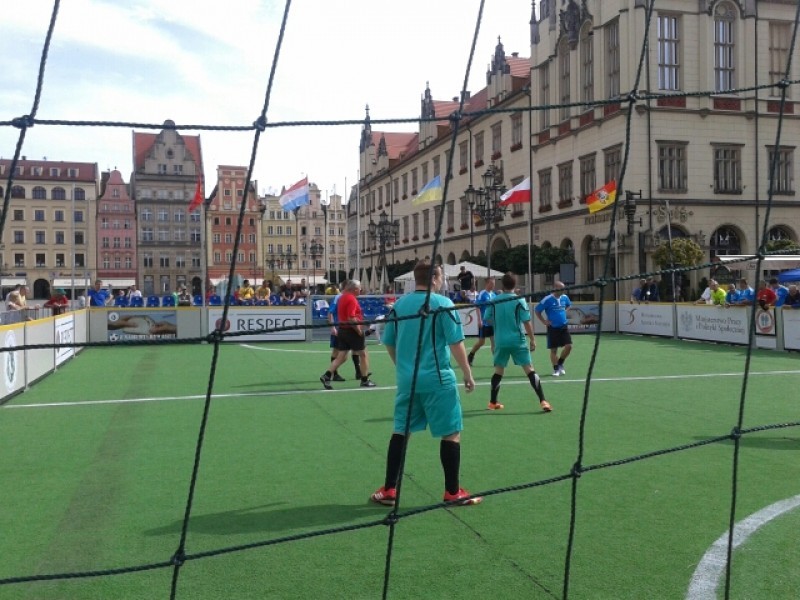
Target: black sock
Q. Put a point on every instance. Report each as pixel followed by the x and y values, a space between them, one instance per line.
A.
pixel 536 384
pixel 357 363
pixel 560 362
pixel 328 374
pixel 450 455
pixel 495 387
pixel 393 458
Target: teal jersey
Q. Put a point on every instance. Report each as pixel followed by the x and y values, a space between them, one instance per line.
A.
pixel 440 330
pixel 508 317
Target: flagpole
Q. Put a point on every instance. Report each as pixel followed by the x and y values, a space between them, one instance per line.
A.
pixel 530 175
pixel 358 226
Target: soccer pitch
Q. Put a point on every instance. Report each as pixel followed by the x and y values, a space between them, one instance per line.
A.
pixel 96 462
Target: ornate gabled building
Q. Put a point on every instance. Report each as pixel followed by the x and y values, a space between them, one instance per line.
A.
pixel 701 162
pixel 222 216
pixel 48 241
pixel 167 167
pixel 116 233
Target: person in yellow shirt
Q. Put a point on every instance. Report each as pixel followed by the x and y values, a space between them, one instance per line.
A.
pixel 263 292
pixel 246 292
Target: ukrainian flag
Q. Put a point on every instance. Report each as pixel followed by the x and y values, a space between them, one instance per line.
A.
pixel 432 192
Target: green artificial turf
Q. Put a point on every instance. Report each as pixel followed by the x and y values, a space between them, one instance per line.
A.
pixel 97 483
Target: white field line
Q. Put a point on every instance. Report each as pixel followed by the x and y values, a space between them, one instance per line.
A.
pixel 711 568
pixel 548 380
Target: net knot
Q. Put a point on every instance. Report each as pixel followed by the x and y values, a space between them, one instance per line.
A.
pixel 178 558
pixel 782 84
pixel 455 117
pixel 214 336
pixel 424 310
pixel 736 433
pixel 22 122
pixel 391 519
pixel 601 282
pixel 633 96
pixel 576 471
pixel 260 123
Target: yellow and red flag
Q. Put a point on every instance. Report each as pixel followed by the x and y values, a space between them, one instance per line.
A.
pixel 602 198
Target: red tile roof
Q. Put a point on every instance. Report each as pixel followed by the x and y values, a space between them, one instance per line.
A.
pixel 86 171
pixel 143 143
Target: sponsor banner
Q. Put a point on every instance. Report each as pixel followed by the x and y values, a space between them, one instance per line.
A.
pixel 713 323
pixel 257 318
pixel 65 334
pixel 469 320
pixel 12 365
pixel 135 324
pixel 648 319
pixel 765 322
pixel 583 318
pixel 791 328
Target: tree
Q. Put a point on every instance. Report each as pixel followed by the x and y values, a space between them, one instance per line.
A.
pixel 783 247
pixel 548 260
pixel 685 252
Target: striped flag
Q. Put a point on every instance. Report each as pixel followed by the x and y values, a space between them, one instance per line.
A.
pixel 519 194
pixel 296 196
pixel 602 198
pixel 432 192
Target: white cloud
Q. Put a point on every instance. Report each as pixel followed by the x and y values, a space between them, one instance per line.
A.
pixel 205 61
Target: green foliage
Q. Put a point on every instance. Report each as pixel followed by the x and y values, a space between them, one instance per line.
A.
pixel 783 246
pixel 685 252
pixel 543 260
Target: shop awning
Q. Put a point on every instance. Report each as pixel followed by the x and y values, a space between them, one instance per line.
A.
pixel 119 283
pixel 9 281
pixel 80 282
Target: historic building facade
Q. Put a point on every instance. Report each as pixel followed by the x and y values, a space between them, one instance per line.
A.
pixel 116 233
pixel 166 169
pixel 701 163
pixel 49 237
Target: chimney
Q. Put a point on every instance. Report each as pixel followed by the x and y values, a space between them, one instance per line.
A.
pixel 515 54
pixel 465 95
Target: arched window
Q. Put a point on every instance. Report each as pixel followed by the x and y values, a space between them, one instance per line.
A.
pixel 725 240
pixel 17 191
pixel 80 194
pixel 778 233
pixel 587 64
pixel 724 47
pixel 59 193
pixel 39 193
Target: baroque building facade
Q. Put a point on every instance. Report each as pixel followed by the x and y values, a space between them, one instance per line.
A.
pixel 116 232
pixel 698 166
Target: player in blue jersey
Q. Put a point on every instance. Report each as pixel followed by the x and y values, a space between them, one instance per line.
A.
pixel 485 329
pixel 552 311
pixel 512 322
pixel 435 400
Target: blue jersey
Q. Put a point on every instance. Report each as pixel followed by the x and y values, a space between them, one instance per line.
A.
pixel 781 292
pixel 483 301
pixel 332 308
pixel 747 295
pixel 555 309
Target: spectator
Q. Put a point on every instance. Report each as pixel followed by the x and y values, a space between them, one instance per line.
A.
pixel 766 296
pixel 732 296
pixel 746 294
pixel 236 294
pixel 705 297
pixel 650 292
pixel 472 294
pixel 58 302
pixel 303 292
pixel 98 295
pixel 133 292
pixel 638 291
pixel 792 298
pixel 332 290
pixel 14 300
pixel 780 291
pixel 717 294
pixel 211 291
pixel 246 293
pixel 263 292
pixel 465 278
pixel 184 297
pixel 288 295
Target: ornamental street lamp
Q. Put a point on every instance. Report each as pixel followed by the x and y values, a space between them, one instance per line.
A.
pixel 384 232
pixel 485 202
pixel 315 250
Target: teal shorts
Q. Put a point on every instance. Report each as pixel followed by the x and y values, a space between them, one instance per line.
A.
pixel 521 356
pixel 441 409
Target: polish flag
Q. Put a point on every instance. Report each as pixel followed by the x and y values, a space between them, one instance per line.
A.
pixel 519 194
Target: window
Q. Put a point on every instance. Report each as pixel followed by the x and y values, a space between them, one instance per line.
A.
pixel 80 194
pixel 545 190
pixel 613 163
pixel 565 184
pixel 147 214
pixel 479 147
pixel 180 261
pixel 425 178
pixel 497 140
pixel 180 216
pixel 177 169
pixel 544 95
pixel 463 155
pixel 80 260
pixel 780 36
pixel 59 214
pixel 672 166
pixel 147 260
pixel 724 48
pixel 40 261
pixel 414 186
pixel 128 242
pixel 163 261
pixel 782 182
pixel 106 243
pixel 38 215
pixel 19 260
pixel 19 237
pixel 59 260
pixel 60 238
pixel 163 234
pixel 106 262
pixel 563 79
pixel 451 215
pixel 587 65
pixel 162 169
pixel 39 237
pixel 668 53
pixel 19 214
pixel 147 234
pixel 727 169
pixel 612 59
pixel 39 193
pixel 588 176
pixel 79 216
pixel 516 130
pixel 117 242
pixel 80 239
pixel 436 171
pixel 163 215
pixel 17 191
pixel 59 193
pixel 426 231
pixel 194 234
pixel 55 172
pixel 279 230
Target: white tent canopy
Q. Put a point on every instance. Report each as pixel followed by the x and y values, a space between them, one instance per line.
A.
pixel 452 271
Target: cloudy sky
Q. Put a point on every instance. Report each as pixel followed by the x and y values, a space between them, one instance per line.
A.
pixel 208 62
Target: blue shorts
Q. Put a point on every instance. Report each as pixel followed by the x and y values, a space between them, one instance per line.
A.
pixel 486 331
pixel 521 356
pixel 441 409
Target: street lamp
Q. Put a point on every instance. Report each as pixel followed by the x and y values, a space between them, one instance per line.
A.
pixel 384 232
pixel 485 202
pixel 289 257
pixel 315 250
